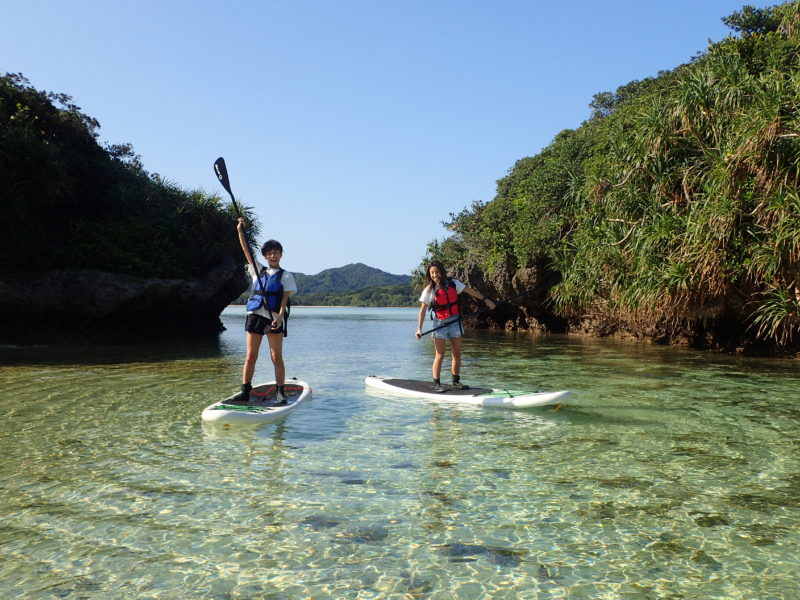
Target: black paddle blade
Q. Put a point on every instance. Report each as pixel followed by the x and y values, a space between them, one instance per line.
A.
pixel 222 174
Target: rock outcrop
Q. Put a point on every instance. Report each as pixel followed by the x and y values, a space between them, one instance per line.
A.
pixel 89 304
pixel 535 312
pixel 529 311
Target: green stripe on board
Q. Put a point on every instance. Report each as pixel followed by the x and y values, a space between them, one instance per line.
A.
pixel 242 408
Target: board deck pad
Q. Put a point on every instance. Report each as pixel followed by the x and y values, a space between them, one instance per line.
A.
pixel 263 396
pixel 427 387
pixel 262 406
pixel 477 396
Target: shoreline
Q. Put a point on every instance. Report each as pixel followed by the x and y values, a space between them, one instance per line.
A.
pixel 334 306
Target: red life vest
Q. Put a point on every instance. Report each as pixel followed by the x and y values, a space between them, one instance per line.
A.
pixel 445 302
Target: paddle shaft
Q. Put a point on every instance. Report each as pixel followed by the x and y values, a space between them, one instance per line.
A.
pixel 550 281
pixel 222 174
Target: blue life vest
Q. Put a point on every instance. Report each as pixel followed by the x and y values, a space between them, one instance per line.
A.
pixel 267 291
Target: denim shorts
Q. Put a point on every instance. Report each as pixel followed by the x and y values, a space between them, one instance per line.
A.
pixel 451 330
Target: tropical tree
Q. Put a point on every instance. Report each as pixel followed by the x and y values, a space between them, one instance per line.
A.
pixel 68 202
pixel 676 204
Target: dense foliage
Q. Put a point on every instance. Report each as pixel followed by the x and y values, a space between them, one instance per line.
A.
pixel 676 201
pixel 68 202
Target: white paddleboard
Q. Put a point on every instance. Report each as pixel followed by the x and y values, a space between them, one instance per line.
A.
pixel 489 397
pixel 262 407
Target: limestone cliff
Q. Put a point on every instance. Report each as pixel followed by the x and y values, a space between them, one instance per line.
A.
pixel 89 304
pixel 709 330
pixel 530 311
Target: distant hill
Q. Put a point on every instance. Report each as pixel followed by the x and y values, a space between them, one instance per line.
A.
pixel 350 278
pixel 352 285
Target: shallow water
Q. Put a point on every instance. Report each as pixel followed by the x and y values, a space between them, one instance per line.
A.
pixel 668 473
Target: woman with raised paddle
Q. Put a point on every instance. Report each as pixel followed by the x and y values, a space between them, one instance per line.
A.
pixel 440 296
pixel 266 312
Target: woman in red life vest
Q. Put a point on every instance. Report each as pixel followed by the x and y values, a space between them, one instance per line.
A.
pixel 441 297
pixel 266 312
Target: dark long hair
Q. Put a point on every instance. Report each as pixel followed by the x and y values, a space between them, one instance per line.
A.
pixel 442 270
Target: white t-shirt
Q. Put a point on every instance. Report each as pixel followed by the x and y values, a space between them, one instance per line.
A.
pixel 287 279
pixel 428 294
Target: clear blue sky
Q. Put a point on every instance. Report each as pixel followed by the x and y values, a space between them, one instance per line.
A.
pixel 352 127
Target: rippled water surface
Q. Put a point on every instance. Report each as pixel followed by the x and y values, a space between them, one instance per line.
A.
pixel 668 473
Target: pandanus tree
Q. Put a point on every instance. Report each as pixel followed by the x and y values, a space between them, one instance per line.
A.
pixel 678 201
pixel 697 190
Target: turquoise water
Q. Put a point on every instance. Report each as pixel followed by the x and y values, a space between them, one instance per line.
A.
pixel 668 474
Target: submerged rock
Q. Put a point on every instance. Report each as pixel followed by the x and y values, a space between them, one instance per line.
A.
pixel 319 522
pixel 709 519
pixel 364 534
pixel 506 557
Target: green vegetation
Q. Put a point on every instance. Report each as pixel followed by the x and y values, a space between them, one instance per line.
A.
pixel 67 202
pixel 398 294
pixel 676 202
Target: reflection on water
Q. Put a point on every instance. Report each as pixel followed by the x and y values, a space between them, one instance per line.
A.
pixel 667 474
pixel 65 353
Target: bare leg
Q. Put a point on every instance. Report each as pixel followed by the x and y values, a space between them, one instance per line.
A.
pixel 276 353
pixel 455 348
pixel 253 343
pixel 440 346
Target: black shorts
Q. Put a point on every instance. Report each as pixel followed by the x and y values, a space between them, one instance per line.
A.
pixel 260 325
